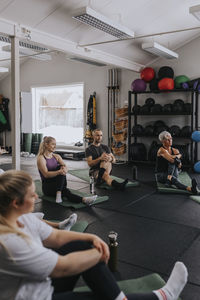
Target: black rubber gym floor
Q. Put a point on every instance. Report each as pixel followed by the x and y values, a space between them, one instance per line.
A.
pixel 155 230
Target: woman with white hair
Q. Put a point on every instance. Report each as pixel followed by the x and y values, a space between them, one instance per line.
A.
pixel 168 164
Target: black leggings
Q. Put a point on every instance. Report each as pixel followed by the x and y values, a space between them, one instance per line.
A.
pixel 50 186
pixel 174 172
pixel 99 279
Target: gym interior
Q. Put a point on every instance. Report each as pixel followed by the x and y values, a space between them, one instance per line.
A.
pixel 131 87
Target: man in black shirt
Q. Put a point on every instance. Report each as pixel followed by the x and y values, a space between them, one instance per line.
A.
pixel 100 159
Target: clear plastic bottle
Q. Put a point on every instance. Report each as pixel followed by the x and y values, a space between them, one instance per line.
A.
pixel 113 246
pixel 92 185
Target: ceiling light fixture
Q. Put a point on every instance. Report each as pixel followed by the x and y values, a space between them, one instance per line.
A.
pixel 29 52
pixel 87 61
pixel 195 11
pixel 91 17
pixel 159 50
pixel 3 70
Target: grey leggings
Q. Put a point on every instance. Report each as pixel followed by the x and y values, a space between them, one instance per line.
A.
pixel 174 172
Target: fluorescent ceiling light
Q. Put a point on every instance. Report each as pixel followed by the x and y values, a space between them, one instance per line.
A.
pixel 91 17
pixel 3 70
pixel 87 61
pixel 159 50
pixel 27 51
pixel 195 11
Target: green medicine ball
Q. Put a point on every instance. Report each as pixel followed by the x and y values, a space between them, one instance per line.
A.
pixel 179 80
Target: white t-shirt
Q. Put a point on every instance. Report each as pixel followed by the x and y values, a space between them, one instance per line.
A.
pixel 24 271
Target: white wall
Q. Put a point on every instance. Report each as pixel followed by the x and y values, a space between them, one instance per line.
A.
pixel 62 71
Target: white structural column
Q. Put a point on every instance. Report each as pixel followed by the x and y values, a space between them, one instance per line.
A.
pixel 15 106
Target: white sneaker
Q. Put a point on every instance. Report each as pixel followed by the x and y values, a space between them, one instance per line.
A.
pixel 89 200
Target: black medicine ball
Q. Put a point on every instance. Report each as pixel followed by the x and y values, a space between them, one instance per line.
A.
pixel 150 102
pixel 153 85
pixel 156 108
pixel 145 109
pixel 175 130
pixel 165 72
pixel 138 130
pixel 159 123
pixel 167 108
pixel 136 108
pixel 149 130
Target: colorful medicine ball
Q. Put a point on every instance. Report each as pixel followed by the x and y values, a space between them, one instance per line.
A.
pixel 166 84
pixel 153 84
pixel 197 167
pixel 179 80
pixel 165 72
pixel 138 85
pixel 196 136
pixel 147 74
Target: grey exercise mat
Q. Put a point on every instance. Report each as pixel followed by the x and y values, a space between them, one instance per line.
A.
pixel 195 198
pixel 140 285
pixel 183 178
pixel 66 202
pixel 84 174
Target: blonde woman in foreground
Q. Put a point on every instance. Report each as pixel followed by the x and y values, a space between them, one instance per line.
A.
pixel 31 270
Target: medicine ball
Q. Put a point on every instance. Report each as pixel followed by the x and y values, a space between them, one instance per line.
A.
pixel 188 107
pixel 164 72
pixel 153 85
pixel 156 108
pixel 136 108
pixel 196 136
pixel 149 130
pixel 186 131
pixel 138 152
pixel 159 129
pixel 150 102
pixel 153 149
pixel 197 167
pixel 179 101
pixel 138 130
pixel 175 130
pixel 138 85
pixel 178 80
pixel 167 108
pixel 166 84
pixel 147 74
pixel 159 123
pixel 178 108
pixel 144 109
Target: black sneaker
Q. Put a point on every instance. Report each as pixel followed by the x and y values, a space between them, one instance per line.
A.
pixel 194 186
pixel 168 183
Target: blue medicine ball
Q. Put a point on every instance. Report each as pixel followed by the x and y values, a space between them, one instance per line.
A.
pixel 196 136
pixel 197 167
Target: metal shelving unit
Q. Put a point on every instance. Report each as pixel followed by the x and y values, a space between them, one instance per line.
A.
pixel 194 95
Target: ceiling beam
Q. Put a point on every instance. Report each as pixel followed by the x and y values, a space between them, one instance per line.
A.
pixel 64 45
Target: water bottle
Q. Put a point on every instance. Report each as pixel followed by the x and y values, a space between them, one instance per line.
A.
pixel 113 246
pixel 134 170
pixel 92 185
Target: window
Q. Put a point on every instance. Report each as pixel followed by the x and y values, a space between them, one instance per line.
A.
pixel 58 112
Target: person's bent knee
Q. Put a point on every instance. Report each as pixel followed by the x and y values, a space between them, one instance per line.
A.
pixel 105 164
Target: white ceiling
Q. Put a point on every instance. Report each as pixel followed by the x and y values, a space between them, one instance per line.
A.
pixel 59 31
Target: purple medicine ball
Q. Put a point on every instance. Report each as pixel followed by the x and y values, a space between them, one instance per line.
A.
pixel 138 85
